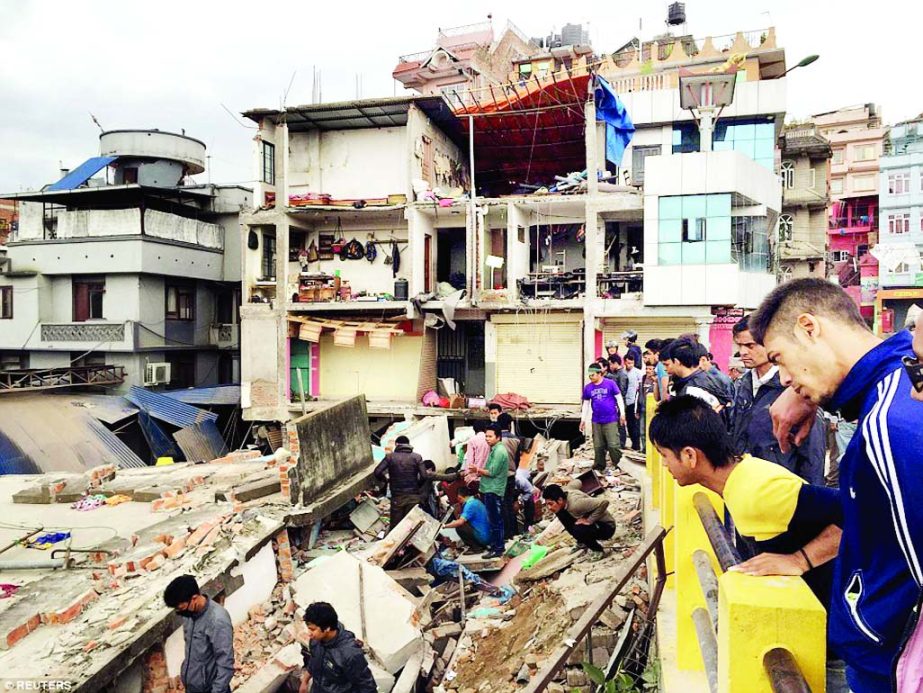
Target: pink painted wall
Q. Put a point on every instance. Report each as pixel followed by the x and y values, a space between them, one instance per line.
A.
pixel 721 343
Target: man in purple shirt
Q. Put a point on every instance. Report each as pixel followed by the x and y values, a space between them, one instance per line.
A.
pixel 603 399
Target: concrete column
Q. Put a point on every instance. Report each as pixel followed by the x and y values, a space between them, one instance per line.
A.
pixel 591 226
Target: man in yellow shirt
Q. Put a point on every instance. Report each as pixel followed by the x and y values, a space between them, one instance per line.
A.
pixel 793 524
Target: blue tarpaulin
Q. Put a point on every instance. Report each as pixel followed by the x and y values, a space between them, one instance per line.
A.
pixel 619 128
pixel 82 173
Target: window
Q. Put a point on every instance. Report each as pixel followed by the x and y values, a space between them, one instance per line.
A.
pixel 902 268
pixel 525 70
pixel 180 302
pixel 694 232
pixel 638 156
pixel 753 137
pixel 130 176
pixel 6 302
pixel 836 186
pixel 865 152
pixel 268 266
pixel 899 223
pixel 838 156
pixel 269 163
pixel 788 175
pixel 786 227
pixel 899 183
pixel 840 255
pixel 88 298
pixel 862 249
pixel 865 183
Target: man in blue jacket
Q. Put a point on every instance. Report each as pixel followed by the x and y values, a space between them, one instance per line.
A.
pixel 813 331
pixel 751 424
pixel 334 662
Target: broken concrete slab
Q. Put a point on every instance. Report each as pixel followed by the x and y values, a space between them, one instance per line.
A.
pixel 417 531
pixel 259 488
pixel 273 674
pixel 476 564
pixel 365 516
pixel 553 563
pixel 388 630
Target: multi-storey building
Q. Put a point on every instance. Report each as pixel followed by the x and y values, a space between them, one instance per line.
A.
pixel 900 239
pixel 375 202
pixel 128 278
pixel 803 223
pixel 856 136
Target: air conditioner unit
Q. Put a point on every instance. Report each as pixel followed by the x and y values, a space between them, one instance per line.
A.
pixel 157 374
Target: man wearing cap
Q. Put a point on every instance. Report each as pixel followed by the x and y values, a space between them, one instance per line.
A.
pixel 630 337
pixel 604 405
pixel 612 348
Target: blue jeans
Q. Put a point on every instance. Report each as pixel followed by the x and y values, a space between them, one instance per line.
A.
pixel 494 505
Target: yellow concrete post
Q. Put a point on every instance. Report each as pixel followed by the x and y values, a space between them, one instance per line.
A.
pixel 757 614
pixel 690 536
pixel 667 489
pixel 652 457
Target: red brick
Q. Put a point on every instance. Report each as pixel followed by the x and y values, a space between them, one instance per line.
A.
pixel 147 560
pixel 21 631
pixel 70 612
pixel 209 539
pixel 156 562
pixel 117 621
pixel 200 533
pixel 91 645
pixel 165 539
pixel 176 548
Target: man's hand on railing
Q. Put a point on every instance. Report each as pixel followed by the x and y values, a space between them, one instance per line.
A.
pixel 773 564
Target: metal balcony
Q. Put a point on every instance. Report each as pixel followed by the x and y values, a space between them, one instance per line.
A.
pixel 51 378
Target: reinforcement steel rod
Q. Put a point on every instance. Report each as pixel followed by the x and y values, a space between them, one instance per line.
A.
pixel 784 673
pixel 708 646
pixel 717 534
pixel 709 583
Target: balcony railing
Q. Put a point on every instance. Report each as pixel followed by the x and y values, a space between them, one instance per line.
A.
pixel 83 332
pixel 862 221
pixel 23 381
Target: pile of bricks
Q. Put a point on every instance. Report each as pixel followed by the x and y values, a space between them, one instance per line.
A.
pixel 283 549
pixel 238 456
pixel 271 626
pixel 104 472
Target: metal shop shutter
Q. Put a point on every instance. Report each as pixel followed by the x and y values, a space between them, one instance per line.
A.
pixel 647 328
pixel 541 360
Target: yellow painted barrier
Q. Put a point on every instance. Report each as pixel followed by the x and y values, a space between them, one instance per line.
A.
pixel 652 457
pixel 757 614
pixel 690 536
pixel 667 515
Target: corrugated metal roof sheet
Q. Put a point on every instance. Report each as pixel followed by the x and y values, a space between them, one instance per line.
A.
pixel 82 173
pixel 168 409
pixel 207 396
pixel 158 441
pixel 202 442
pixel 39 434
pixel 108 408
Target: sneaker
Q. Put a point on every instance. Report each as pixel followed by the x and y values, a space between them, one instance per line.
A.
pixel 491 554
pixel 596 556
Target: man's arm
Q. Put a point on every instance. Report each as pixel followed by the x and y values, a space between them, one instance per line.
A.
pixel 585 415
pixel 382 468
pixel 222 641
pixel 819 550
pixel 791 412
pixel 601 506
pixel 621 404
pixel 305 680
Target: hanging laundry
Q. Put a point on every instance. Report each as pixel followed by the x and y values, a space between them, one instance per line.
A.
pixel 47 540
pixel 395 257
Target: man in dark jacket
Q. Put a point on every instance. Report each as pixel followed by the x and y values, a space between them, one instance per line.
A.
pixel 751 424
pixel 682 360
pixel 585 518
pixel 334 663
pixel 208 666
pixel 404 472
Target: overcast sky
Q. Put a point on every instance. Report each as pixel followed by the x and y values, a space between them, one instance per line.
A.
pixel 171 65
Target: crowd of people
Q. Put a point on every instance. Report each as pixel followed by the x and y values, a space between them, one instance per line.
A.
pixel 810 439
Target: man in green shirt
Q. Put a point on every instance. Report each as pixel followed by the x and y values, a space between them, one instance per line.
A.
pixel 493 486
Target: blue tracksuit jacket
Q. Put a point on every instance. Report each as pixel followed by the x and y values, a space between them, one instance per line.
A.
pixel 879 569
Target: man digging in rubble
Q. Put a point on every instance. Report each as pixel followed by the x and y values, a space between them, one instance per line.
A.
pixel 208 666
pixel 334 662
pixel 585 518
pixel 404 472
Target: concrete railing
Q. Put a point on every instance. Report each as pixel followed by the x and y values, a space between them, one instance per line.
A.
pixel 772 629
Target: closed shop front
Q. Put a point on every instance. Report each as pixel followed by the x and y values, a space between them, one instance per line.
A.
pixel 647 328
pixel 540 356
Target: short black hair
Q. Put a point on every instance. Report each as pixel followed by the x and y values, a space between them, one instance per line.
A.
pixel 630 357
pixel 430 465
pixel 615 358
pixel 465 491
pixel 402 440
pixel 496 429
pixel 553 492
pixel 479 426
pixel 742 325
pixel 809 295
pixel 493 406
pixel 684 351
pixel 701 351
pixel 322 615
pixel 687 421
pixel 654 345
pixel 182 589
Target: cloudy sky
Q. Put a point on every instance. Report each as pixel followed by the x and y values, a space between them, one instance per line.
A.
pixel 173 65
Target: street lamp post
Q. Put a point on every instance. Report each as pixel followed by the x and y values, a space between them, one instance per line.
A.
pixel 803 63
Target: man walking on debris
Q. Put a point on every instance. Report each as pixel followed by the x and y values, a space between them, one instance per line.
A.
pixel 585 518
pixel 208 666
pixel 603 398
pixel 334 662
pixel 634 377
pixel 473 527
pixel 404 472
pixel 493 488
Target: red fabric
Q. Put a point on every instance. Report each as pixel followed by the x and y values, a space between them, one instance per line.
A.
pixel 512 401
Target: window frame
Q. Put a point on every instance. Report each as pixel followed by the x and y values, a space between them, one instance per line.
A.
pixel 96 287
pixel 841 181
pixel 787 174
pixel 184 311
pixel 269 241
pixel 902 220
pixel 899 180
pixel 861 148
pixel 701 229
pixel 786 220
pixel 268 174
pixel 839 156
pixel 6 302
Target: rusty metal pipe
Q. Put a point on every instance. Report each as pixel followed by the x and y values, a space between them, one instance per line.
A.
pixel 718 535
pixel 784 673
pixel 708 646
pixel 709 583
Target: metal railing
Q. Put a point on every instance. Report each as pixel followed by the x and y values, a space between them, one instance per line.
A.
pixel 857 221
pixel 30 380
pixel 95 332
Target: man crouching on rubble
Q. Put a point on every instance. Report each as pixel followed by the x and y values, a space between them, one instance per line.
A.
pixel 586 519
pixel 209 663
pixel 334 662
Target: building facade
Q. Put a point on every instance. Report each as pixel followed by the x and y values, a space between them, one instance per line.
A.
pixel 534 280
pixel 856 137
pixel 900 240
pixel 125 269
